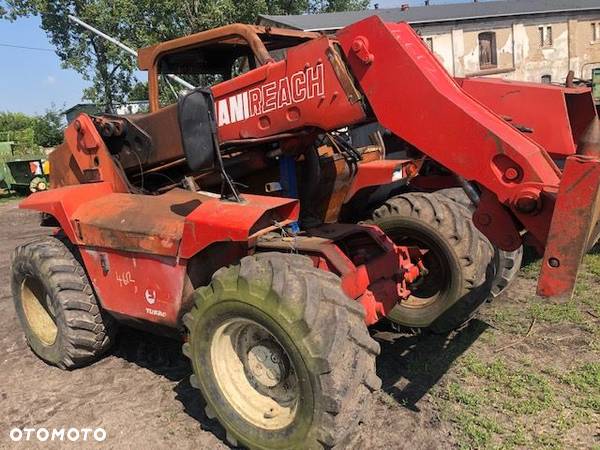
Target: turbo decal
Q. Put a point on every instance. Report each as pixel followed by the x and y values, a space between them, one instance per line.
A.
pixel 298 87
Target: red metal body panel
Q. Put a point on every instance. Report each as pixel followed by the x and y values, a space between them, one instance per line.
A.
pixel 144 287
pixel 375 173
pixel 573 227
pixel 299 92
pixel 178 223
pixel 237 222
pixel 63 202
pixel 136 247
pixel 376 274
pixel 429 108
pixel 558 116
pixel 137 223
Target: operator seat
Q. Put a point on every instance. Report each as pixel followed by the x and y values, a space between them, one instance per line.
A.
pixel 199 129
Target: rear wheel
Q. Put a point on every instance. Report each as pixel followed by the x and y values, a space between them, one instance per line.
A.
pixel 280 354
pixel 62 319
pixel 456 258
pixel 506 264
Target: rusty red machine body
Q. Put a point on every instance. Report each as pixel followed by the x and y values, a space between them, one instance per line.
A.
pixel 146 245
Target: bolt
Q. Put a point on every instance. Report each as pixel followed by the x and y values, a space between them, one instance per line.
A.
pixel 527 204
pixel 357 45
pixel 511 174
pixel 484 219
pixel 527 201
pixel 554 263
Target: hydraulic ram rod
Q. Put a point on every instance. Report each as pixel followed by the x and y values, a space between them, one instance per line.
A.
pixel 129 50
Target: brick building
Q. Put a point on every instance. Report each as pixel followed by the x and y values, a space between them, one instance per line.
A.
pixel 529 40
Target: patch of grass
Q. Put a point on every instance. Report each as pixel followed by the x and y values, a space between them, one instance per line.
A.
pixel 479 430
pixel 547 441
pixel 510 397
pixel 509 404
pixel 510 318
pixel 457 394
pixel 556 313
pixel 526 392
pixel 586 380
pixel 592 264
pixel 518 437
pixel 531 271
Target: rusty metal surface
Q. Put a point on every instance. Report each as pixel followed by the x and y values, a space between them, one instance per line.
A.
pixel 61 203
pixel 573 226
pixel 373 173
pixel 163 129
pixel 235 34
pixel 249 34
pixel 84 158
pixel 336 177
pixel 137 223
pixel 343 74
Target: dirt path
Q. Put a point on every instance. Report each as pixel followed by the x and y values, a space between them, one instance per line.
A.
pixel 141 396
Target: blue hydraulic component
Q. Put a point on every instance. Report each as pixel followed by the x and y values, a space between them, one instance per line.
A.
pixel 288 181
pixel 287 176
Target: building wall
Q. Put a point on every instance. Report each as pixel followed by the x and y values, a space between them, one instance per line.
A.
pixel 586 50
pixel 519 54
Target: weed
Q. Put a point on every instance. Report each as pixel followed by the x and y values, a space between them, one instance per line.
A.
pixel 556 313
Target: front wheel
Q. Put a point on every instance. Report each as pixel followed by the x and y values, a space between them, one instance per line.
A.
pixel 281 355
pixel 507 264
pixel 457 260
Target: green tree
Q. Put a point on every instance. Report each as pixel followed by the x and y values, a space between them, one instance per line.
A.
pixel 139 91
pixel 29 132
pixel 10 121
pixel 139 23
pixel 48 128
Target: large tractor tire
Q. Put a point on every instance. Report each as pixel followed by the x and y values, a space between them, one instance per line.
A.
pixel 63 322
pixel 281 355
pixel 456 257
pixel 506 264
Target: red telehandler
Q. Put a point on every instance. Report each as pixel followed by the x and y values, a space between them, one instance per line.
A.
pixel 223 220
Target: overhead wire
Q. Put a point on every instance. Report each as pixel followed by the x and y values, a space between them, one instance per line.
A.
pixel 23 47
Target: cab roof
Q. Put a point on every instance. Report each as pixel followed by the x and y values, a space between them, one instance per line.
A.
pixel 259 38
